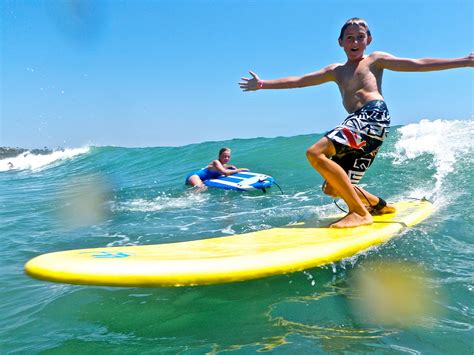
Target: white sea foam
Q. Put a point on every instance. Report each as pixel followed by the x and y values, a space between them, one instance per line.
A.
pixel 35 162
pixel 449 143
pixel 162 202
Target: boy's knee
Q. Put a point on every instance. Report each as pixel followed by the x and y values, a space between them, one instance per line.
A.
pixel 321 150
pixel 329 190
pixel 312 154
pixel 315 158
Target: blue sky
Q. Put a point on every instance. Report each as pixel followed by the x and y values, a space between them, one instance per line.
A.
pixel 158 73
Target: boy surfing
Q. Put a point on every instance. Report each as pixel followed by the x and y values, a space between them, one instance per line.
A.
pixel 344 154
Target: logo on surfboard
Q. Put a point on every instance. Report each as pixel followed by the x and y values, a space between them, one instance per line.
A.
pixel 106 254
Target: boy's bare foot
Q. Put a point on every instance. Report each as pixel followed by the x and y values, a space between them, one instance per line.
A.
pixel 382 207
pixel 389 208
pixel 352 219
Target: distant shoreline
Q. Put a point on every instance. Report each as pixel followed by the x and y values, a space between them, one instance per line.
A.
pixel 8 152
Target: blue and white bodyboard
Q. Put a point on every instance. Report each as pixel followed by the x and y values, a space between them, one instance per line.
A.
pixel 245 181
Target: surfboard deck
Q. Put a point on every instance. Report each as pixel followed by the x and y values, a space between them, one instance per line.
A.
pixel 244 181
pixel 225 259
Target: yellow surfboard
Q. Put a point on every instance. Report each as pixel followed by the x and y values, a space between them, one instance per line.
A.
pixel 225 259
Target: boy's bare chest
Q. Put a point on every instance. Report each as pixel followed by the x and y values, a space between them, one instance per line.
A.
pixel 355 76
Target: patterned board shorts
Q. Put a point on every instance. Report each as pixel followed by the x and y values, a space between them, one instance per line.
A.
pixel 358 139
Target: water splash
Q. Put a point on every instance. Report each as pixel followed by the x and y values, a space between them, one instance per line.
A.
pixel 448 142
pixel 161 202
pixel 35 162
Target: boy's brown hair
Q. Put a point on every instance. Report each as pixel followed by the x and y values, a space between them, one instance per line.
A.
pixel 354 21
pixel 222 150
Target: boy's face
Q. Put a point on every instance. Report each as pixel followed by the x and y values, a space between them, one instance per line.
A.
pixel 354 41
pixel 225 157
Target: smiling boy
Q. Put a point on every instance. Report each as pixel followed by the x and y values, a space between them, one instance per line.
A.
pixel 343 155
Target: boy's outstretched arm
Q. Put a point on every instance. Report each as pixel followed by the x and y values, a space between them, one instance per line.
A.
pixel 388 61
pixel 318 77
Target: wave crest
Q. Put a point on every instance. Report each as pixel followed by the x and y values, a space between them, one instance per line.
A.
pixel 30 160
pixel 448 142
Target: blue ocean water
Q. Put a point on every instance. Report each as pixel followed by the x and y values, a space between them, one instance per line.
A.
pixel 111 196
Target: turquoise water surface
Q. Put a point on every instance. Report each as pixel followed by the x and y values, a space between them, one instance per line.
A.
pixel 112 196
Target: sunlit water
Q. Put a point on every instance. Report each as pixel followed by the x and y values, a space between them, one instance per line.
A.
pixel 139 198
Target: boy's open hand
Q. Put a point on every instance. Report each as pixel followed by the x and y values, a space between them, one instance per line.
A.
pixel 250 84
